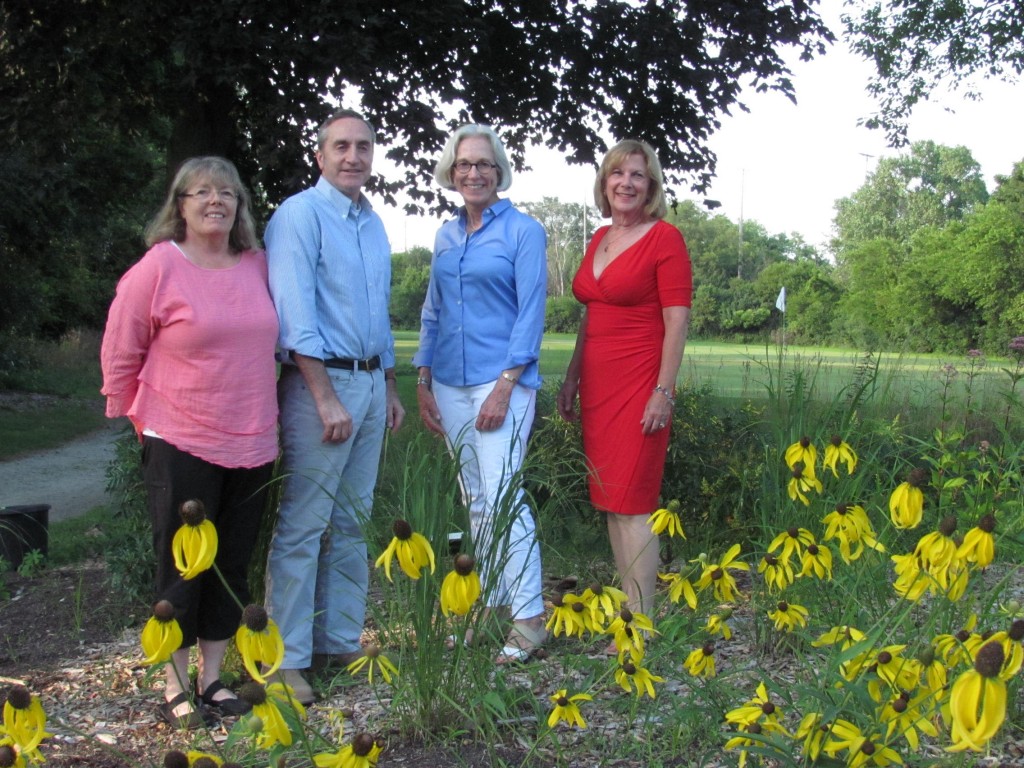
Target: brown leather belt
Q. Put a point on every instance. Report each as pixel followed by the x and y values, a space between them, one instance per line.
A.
pixel 347 364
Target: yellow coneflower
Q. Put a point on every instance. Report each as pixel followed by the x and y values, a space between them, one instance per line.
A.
pixel 667 520
pixel 412 549
pixel 567 709
pixel 720 577
pixel 979 547
pixel 24 722
pixel 564 618
pixel 778 574
pixel 268 722
pixel 372 659
pixel 906 504
pixel 850 526
pixel 800 483
pixel 194 545
pixel 603 599
pixel 817 561
pixel 904 716
pixel 461 587
pixel 628 630
pixel 701 661
pixel 759 709
pixel 792 541
pixel 680 588
pixel 363 752
pixel 898 672
pixel 633 676
pixel 161 636
pixel 933 671
pixel 839 450
pixel 847 637
pixel 813 731
pixel 937 551
pixel 804 453
pixel 861 749
pixel 788 616
pixel 977 701
pixel 259 642
pixel 717 624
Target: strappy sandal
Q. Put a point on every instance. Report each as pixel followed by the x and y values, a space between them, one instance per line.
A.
pixel 231 706
pixel 191 720
pixel 530 644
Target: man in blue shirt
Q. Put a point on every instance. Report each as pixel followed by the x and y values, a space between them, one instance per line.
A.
pixel 330 278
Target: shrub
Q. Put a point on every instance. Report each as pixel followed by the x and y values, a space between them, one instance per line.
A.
pixel 562 314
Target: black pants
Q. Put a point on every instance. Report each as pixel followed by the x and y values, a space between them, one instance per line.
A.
pixel 235 500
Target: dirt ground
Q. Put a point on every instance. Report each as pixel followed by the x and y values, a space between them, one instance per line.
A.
pixel 63 635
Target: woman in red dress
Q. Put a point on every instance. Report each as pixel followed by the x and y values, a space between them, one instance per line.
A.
pixel 635 282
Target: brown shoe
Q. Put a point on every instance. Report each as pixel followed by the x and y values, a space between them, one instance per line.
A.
pixel 323 662
pixel 293 678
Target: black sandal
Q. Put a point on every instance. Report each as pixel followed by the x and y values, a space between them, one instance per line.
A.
pixel 194 718
pixel 232 706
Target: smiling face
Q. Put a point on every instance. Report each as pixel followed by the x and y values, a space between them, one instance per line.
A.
pixel 627 187
pixel 208 207
pixel 478 190
pixel 346 155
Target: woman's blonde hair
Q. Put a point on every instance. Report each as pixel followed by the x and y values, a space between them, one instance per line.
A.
pixel 168 223
pixel 655 206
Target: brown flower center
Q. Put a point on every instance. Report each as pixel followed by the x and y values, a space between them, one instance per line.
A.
pixel 255 617
pixel 193 512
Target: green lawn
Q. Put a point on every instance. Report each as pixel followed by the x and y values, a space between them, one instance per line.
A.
pixel 742 371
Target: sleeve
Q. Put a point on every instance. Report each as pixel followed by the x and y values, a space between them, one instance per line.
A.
pixel 428 316
pixel 293 254
pixel 531 270
pixel 675 281
pixel 131 325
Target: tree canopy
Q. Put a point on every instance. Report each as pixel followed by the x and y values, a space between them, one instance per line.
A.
pixel 246 78
pixel 920 46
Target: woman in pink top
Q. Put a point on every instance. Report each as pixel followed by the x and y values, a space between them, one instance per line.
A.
pixel 188 356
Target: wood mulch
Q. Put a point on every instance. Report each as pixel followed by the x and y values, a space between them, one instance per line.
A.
pixel 65 635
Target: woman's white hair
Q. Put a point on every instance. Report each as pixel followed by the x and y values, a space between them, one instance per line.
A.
pixel 446 163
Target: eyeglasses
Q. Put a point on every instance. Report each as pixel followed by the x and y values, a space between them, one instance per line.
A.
pixel 204 195
pixel 483 167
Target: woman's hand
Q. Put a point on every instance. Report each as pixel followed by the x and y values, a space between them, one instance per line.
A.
pixel 428 409
pixel 495 408
pixel 566 400
pixel 657 414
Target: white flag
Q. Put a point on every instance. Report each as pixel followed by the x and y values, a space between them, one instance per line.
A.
pixel 780 303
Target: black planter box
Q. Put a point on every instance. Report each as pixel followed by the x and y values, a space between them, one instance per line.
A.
pixel 23 529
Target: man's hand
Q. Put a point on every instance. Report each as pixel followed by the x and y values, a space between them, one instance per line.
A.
pixel 395 413
pixel 336 420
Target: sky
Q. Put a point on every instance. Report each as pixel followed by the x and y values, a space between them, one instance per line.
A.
pixel 785 165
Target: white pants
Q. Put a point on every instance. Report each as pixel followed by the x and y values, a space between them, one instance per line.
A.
pixel 501 525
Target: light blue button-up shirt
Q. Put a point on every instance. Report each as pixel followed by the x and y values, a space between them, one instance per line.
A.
pixel 330 276
pixel 484 310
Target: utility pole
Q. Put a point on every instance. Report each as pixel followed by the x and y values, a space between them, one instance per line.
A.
pixel 867 159
pixel 739 253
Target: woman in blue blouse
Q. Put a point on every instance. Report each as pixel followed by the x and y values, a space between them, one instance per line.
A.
pixel 480 335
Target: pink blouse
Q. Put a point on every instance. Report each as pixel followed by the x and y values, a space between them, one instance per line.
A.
pixel 189 354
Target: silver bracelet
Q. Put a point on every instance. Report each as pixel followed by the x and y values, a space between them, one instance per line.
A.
pixel 668 395
pixel 422 382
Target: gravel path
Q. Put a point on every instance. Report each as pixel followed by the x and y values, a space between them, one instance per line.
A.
pixel 71 478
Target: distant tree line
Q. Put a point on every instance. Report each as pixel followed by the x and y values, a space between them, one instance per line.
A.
pixel 922 259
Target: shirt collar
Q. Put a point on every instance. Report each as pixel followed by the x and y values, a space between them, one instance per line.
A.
pixel 490 213
pixel 345 205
